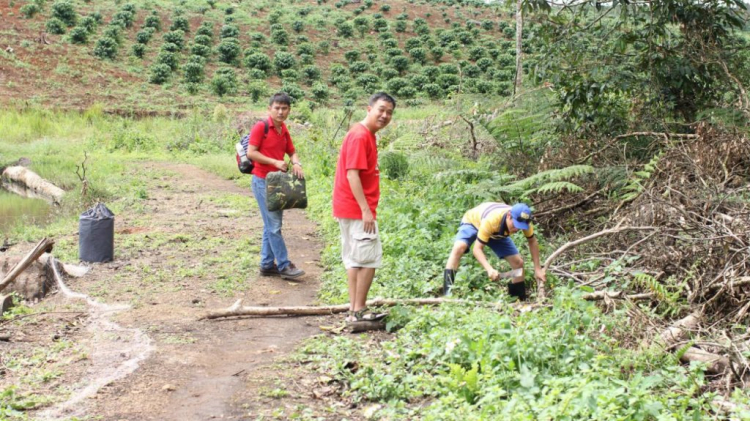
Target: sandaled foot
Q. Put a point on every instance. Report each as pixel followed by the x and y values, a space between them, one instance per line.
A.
pixel 350 317
pixel 366 315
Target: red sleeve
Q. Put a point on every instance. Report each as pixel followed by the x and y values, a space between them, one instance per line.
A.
pixel 257 134
pixel 356 153
pixel 289 145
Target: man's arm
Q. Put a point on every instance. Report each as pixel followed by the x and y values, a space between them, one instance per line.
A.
pixel 478 251
pixel 355 183
pixel 539 273
pixel 297 166
pixel 254 154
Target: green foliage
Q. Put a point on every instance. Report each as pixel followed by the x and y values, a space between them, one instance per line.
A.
pixel 152 21
pixel 310 74
pixel 229 31
pixel 29 10
pixel 320 92
pixel 399 63
pixel 168 58
pixel 106 48
pixel 65 12
pixel 224 82
pixel 139 50
pixel 176 37
pixel 368 82
pixel 283 60
pixel 206 29
pixel 290 75
pixel 55 26
pixel 259 61
pixel 201 50
pixel 257 90
pixel 144 36
pixel 113 32
pixel 279 36
pixel 298 26
pixel 352 55
pixel 123 18
pixel 160 73
pixel 400 26
pixel 180 23
pixel 345 29
pixel 633 186
pixel 395 165
pixel 437 53
pixel 78 35
pixel 194 70
pixel 433 90
pixel 293 90
pixel 418 54
pixel 228 50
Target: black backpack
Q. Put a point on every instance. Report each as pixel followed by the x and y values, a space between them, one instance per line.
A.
pixel 244 164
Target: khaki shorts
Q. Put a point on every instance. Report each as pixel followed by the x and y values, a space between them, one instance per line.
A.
pixel 358 248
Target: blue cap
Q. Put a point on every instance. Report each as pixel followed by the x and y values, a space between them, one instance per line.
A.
pixel 521 214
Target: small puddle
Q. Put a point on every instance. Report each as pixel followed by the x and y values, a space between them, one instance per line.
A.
pixel 114 352
pixel 14 208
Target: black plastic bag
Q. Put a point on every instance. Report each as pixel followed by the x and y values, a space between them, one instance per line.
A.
pixel 96 235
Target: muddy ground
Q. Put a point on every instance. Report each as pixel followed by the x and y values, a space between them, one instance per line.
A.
pixel 151 358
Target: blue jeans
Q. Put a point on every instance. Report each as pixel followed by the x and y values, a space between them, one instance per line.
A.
pixel 272 247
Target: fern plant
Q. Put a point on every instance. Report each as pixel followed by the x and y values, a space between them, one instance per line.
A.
pixel 634 185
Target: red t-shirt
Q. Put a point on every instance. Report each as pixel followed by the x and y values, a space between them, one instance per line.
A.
pixel 358 152
pixel 272 145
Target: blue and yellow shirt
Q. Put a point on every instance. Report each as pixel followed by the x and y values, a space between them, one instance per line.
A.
pixel 489 220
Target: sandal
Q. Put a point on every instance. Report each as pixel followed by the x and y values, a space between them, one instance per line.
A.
pixel 350 317
pixel 366 315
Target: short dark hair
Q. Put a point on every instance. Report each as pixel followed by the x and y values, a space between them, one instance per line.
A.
pixel 280 98
pixel 381 96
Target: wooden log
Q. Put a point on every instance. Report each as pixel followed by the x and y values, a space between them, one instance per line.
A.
pixel 616 295
pixel 25 182
pixel 237 310
pixel 678 331
pixel 34 254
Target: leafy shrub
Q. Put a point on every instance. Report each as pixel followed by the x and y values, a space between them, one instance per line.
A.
pixel 298 26
pixel 65 12
pixel 229 31
pixel 160 73
pixel 201 50
pixel 310 74
pixel 389 43
pixel 485 87
pixel 448 68
pixel 504 88
pixel 345 29
pixel 290 75
pixel 400 63
pixel 362 24
pixel 400 26
pixel 472 71
pixel 144 36
pixel 488 25
pixel 259 61
pixel 448 82
pixel 202 40
pixel 385 8
pixel 408 92
pixel 283 60
pixel 29 10
pixel 418 54
pixel 139 50
pixel 418 81
pixel 275 16
pixel 176 37
pixel 194 71
pixel 368 82
pixel 153 21
pixel 258 37
pixel 465 37
pixel 358 67
pixel 509 32
pixel 169 58
pixel 306 48
pixel 294 91
pixel 395 165
pixel 396 84
pixel 388 73
pixel 228 50
pixel 502 75
pixel 338 70
pixel 170 47
pixel 114 32
pixel 392 52
pixel 352 55
pixel 506 60
pixel 437 53
pixel 475 53
pixel 88 23
pixel 123 18
pixel 55 26
pixel 206 29
pixel 484 63
pixel 279 37
pixel 257 90
pixel 256 74
pixel 432 72
pixel 324 47
pixel 78 35
pixel 224 82
pixel 433 90
pixel 320 92
pixel 229 10
pixel 180 23
pixel 106 48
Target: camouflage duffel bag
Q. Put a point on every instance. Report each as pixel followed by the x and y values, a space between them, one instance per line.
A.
pixel 285 191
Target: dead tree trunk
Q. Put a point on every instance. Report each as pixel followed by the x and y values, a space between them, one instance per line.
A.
pixel 678 332
pixel 519 52
pixel 34 254
pixel 25 182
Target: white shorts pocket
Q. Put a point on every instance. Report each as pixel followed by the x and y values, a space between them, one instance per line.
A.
pixel 366 248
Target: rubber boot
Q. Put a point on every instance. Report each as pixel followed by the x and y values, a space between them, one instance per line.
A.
pixel 449 276
pixel 517 290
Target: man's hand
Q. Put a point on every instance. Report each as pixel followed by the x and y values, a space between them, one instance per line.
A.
pixel 540 274
pixel 368 221
pixel 297 171
pixel 494 275
pixel 281 164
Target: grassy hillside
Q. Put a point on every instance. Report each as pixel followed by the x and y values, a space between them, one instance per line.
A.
pixel 164 55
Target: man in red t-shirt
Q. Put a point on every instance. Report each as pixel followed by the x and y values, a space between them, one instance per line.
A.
pixel 356 191
pixel 267 148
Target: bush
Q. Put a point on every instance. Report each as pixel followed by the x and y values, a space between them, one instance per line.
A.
pixel 472 71
pixel 320 92
pixel 88 23
pixel 106 48
pixel 506 60
pixel 180 23
pixel 256 74
pixel 484 63
pixel 345 29
pixel 257 90
pixel 368 82
pixel 202 40
pixel 358 67
pixel 437 53
pixel 400 63
pixel 294 91
pixel 504 88
pixel 176 37
pixel 224 82
pixel 290 75
pixel 389 73
pixel 324 47
pixel 65 12
pixel 475 53
pixel 392 52
pixel 55 26
pixel 229 31
pixel 310 74
pixel 385 8
pixel 298 26
pixel 400 26
pixel 258 37
pixel 352 55
pixel 172 48
pixel 306 48
pixel 448 68
pixel 433 90
pixel 123 18
pixel 169 58
pixel 160 73
pixel 114 32
pixel 29 10
pixel 448 81
pixel 279 37
pixel 394 165
pixel 144 36
pixel 283 60
pixel 259 61
pixel 509 32
pixel 418 81
pixel 139 50
pixel 418 54
pixel 201 50
pixel 485 87
pixel 153 21
pixel 488 25
pixel 389 43
pixel 78 35
pixel 194 71
pixel 228 50
pixel 206 29
pixel 396 84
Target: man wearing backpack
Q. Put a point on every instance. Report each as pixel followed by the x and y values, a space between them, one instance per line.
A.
pixel 356 192
pixel 269 142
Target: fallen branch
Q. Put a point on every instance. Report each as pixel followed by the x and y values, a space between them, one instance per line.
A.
pixel 616 295
pixel 715 363
pixel 23 181
pixel 44 245
pixel 237 310
pixel 541 294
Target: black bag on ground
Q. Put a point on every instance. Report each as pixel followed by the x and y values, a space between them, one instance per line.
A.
pixel 285 191
pixel 96 235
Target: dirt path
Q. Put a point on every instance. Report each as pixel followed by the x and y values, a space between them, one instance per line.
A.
pixel 172 260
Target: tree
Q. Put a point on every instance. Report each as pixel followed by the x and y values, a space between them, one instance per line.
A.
pixel 519 52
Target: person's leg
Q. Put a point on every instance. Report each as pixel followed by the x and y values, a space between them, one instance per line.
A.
pixel 351 277
pixel 516 288
pixel 275 240
pixel 364 281
pixel 465 236
pixel 259 191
